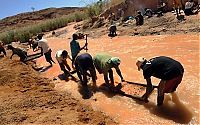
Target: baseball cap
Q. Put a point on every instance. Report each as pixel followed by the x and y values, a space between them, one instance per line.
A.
pixel 115 60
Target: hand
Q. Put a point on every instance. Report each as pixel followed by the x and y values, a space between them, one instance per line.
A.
pixel 122 80
pixel 86 44
pixel 144 98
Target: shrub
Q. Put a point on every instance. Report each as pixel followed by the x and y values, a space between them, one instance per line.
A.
pixel 23 34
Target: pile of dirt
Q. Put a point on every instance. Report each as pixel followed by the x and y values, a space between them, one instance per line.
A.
pixel 28 98
pixel 166 24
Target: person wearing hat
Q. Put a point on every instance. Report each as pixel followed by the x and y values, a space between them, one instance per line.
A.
pixel 139 19
pixel 43 45
pixel 167 69
pixel 83 63
pixel 75 47
pixel 104 64
pixel 61 57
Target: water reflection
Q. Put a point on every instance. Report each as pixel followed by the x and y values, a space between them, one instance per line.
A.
pixel 172 109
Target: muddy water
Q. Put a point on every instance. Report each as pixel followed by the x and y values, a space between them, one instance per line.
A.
pixel 180 108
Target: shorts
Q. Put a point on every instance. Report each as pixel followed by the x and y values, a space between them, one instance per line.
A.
pixel 171 85
pixel 48 56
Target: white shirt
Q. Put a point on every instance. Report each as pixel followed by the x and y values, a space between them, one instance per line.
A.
pixel 59 56
pixel 43 44
pixel 189 5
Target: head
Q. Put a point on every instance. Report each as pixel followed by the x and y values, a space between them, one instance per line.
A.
pixel 116 61
pixel 39 36
pixel 139 62
pixel 75 36
pixel 64 54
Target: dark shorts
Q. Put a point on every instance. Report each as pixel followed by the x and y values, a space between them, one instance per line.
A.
pixel 172 84
pixel 48 56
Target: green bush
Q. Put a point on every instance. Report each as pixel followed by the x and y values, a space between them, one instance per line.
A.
pixel 23 34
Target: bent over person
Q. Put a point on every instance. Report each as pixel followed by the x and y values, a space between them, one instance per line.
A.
pixel 61 57
pixel 104 64
pixel 167 69
pixel 83 63
pixel 42 44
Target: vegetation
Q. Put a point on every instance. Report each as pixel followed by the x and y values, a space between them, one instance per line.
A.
pixel 23 34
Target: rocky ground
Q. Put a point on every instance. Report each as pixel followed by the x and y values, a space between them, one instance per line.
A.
pixel 28 98
pixel 167 24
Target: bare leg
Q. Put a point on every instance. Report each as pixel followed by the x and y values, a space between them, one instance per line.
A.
pixel 160 96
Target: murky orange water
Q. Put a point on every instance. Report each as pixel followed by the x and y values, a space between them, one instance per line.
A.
pixel 181 108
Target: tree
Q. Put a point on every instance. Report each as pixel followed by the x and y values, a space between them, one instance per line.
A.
pixel 33 9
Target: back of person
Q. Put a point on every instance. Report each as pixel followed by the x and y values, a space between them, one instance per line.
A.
pixel 189 5
pixel 75 48
pixel 162 67
pixel 21 53
pixel 59 56
pixel 84 60
pixel 43 44
pixel 101 61
pixel 139 19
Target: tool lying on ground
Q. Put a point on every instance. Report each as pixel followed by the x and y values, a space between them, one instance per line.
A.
pixel 32 57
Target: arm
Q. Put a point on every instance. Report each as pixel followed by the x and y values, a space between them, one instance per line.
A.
pixel 83 46
pixel 41 50
pixel 149 89
pixel 69 57
pixel 120 74
pixel 65 63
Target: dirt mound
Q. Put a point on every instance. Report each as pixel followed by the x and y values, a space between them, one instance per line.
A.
pixel 167 24
pixel 29 18
pixel 28 98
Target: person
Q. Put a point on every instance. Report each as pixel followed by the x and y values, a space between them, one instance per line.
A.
pixel 113 30
pixel 161 9
pixel 189 8
pixel 2 49
pixel 43 45
pixel 148 12
pixel 165 68
pixel 18 51
pixel 177 7
pixel 104 64
pixel 61 57
pixel 75 47
pixel 83 63
pixel 139 19
pixel 111 17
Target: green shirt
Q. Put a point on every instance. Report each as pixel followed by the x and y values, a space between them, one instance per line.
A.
pixel 103 63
